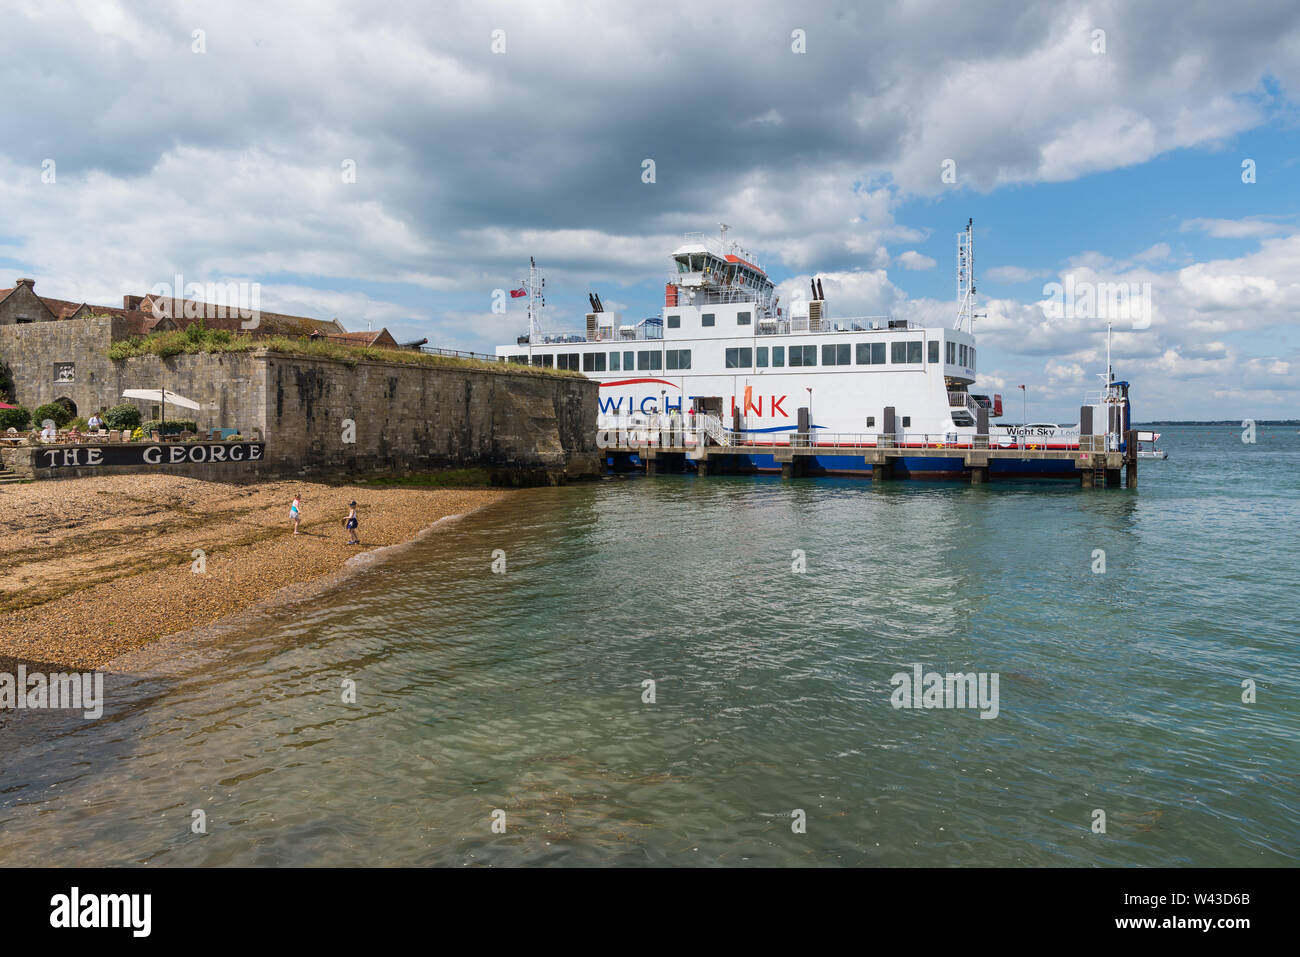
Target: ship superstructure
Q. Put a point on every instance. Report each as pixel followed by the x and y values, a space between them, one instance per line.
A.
pixel 726 346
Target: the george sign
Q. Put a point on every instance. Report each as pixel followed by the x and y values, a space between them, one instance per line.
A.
pixel 171 453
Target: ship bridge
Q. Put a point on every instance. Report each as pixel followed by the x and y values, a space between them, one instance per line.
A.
pixel 709 271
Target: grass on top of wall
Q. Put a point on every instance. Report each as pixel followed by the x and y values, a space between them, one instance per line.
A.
pixel 198 339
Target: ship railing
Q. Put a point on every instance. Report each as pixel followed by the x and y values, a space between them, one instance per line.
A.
pixel 904 440
pixel 801 325
pixel 460 354
pixel 696 432
pixel 653 430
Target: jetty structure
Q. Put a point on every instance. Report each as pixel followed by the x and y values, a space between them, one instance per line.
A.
pixel 730 379
pixel 269 394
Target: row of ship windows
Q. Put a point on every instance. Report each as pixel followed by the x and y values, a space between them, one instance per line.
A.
pixel 644 360
pixel 832 354
pixel 710 319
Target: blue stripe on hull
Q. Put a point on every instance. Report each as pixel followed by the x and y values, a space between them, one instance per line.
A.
pixel 929 468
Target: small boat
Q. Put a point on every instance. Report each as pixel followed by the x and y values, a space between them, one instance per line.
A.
pixel 1147 446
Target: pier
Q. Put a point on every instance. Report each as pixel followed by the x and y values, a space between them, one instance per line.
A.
pixel 1100 461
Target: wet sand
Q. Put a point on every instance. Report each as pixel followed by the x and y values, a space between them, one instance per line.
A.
pixel 93 568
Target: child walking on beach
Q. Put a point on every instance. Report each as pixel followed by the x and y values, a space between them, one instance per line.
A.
pixel 351 525
pixel 294 515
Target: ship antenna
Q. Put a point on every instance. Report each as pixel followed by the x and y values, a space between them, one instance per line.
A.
pixel 536 298
pixel 966 278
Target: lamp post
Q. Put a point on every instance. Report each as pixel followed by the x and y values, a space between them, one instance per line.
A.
pixel 1024 425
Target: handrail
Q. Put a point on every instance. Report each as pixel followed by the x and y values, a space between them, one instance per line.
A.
pixel 655 431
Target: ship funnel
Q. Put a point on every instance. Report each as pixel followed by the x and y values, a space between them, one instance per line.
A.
pixel 821 293
pixel 813 283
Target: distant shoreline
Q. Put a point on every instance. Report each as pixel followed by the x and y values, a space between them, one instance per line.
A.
pixel 1234 423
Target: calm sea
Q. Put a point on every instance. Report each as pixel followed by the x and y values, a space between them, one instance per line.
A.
pixel 518 697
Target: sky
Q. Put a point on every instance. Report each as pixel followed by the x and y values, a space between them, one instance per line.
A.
pixel 394 165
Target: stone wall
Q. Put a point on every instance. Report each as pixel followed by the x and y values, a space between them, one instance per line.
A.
pixel 413 417
pixel 403 417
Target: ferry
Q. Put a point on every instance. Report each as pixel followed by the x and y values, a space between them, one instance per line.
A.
pixel 726 358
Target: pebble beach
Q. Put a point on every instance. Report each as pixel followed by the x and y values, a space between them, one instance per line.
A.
pixel 93 568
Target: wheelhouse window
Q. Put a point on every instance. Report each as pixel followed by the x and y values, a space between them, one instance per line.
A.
pixel 903 353
pixel 742 318
pixel 706 319
pixel 674 322
pixel 951 351
pixel 934 350
pixel 871 353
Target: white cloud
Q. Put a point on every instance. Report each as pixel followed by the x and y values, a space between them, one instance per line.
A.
pixel 915 261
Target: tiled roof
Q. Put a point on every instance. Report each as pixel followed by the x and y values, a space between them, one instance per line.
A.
pixel 270 323
pixel 379 337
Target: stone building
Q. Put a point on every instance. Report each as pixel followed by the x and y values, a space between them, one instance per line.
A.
pixel 57 350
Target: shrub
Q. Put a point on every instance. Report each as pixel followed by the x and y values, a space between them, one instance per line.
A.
pixel 60 413
pixel 18 418
pixel 122 417
pixel 80 423
pixel 170 427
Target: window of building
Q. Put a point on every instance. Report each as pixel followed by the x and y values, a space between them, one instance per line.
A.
pixel 706 319
pixel 934 350
pixel 803 355
pixel 674 322
pixel 678 358
pixel 761 357
pixel 778 357
pixel 740 358
pixel 648 360
pixel 742 318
